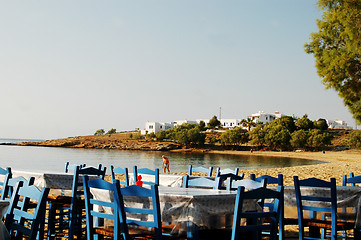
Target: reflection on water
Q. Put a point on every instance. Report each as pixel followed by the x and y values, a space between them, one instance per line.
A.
pixel 52 159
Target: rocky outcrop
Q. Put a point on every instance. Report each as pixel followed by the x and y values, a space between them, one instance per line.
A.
pixel 106 142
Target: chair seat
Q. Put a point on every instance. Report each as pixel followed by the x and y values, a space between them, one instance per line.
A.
pixel 106 231
pixel 327 224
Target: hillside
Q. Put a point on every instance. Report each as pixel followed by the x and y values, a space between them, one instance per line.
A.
pixel 132 141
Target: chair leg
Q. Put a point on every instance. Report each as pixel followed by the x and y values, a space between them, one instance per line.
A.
pixel 192 231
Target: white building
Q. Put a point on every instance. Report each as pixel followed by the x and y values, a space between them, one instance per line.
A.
pixel 154 127
pixel 230 123
pixel 265 117
pixel 337 124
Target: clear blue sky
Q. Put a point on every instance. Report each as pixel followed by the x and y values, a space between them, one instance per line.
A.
pixel 68 68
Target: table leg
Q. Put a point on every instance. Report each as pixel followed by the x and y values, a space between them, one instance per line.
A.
pixel 192 231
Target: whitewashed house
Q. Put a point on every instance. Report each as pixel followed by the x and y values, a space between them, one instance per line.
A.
pixel 230 123
pixel 337 124
pixel 264 117
pixel 154 127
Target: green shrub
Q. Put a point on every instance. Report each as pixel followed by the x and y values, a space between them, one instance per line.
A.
pixel 355 139
pixel 99 132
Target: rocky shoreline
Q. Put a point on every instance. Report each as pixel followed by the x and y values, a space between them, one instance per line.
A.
pixel 104 142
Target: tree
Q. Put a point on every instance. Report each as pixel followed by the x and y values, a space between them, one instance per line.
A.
pixel 248 123
pixel 304 123
pixel 112 131
pixel 202 125
pixel 277 137
pixel 355 139
pixel 321 124
pixel 214 123
pixel 337 50
pixel 256 135
pixel 319 139
pixel 99 132
pixel 299 138
pixel 234 136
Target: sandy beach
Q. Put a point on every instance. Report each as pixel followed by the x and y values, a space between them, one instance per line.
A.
pixel 337 163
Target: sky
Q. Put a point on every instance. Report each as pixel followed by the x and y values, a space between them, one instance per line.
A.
pixel 69 68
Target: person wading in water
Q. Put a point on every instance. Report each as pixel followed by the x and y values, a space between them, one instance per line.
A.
pixel 165 163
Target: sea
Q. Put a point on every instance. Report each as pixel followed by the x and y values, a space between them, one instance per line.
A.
pixel 53 159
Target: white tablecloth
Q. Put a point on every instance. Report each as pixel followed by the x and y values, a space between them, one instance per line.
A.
pixel 168 180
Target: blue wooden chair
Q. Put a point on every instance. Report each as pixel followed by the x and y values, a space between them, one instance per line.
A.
pixel 201 182
pixel 6 175
pixel 226 171
pixel 8 189
pixel 67 212
pixel 318 204
pixel 71 167
pixel 138 171
pixel 257 222
pixel 200 169
pixel 98 210
pixel 26 220
pixel 147 213
pixel 279 182
pixel 247 183
pixel 123 171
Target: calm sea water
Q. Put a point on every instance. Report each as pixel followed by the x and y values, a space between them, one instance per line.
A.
pixel 49 159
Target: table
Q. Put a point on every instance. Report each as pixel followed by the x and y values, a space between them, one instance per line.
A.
pixel 168 180
pixel 4 234
pixel 62 181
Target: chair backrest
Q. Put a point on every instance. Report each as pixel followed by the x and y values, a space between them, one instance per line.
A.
pixel 146 209
pixel 353 180
pixel 72 167
pixel 8 189
pixel 310 201
pixel 118 170
pixel 201 169
pixel 227 170
pixel 103 201
pixel 201 182
pixel 138 171
pixel 6 174
pixel 270 180
pixel 247 183
pixel 27 220
pixel 226 179
pixel 78 192
pixel 255 220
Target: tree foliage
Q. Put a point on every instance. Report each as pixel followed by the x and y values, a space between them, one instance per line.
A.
pixel 256 136
pixel 184 134
pixel 214 123
pixel 319 139
pixel 355 139
pixel 234 136
pixel 248 123
pixel 112 131
pixel 321 124
pixel 304 123
pixel 99 132
pixel 299 138
pixel 337 50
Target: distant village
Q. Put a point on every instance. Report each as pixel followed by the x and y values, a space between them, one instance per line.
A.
pixel 231 123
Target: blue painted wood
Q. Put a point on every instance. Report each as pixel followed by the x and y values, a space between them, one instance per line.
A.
pixel 146 209
pixel 72 167
pixel 119 170
pixel 201 169
pixel 33 218
pixel 279 181
pixel 311 199
pixel 255 220
pixel 226 171
pixel 139 171
pixel 74 211
pixel 116 210
pixel 7 175
pixel 201 182
pixel 247 183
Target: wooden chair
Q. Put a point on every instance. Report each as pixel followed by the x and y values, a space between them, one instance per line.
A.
pixel 201 182
pixel 226 179
pixel 26 220
pixel 147 213
pixel 6 173
pixel 247 183
pixel 71 167
pixel 137 171
pixel 99 211
pixel 279 182
pixel 256 223
pixel 119 170
pixel 71 207
pixel 201 169
pixel 226 171
pixel 318 204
